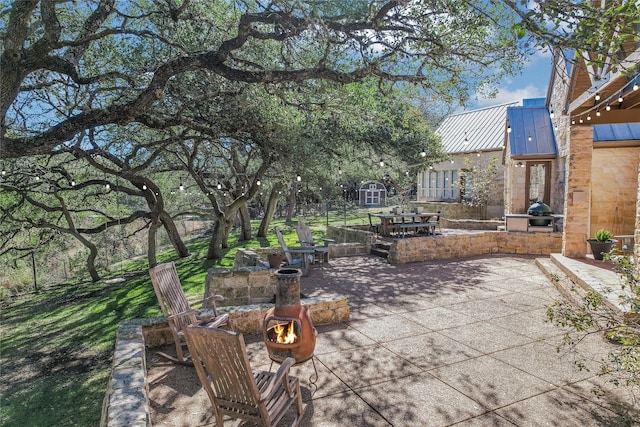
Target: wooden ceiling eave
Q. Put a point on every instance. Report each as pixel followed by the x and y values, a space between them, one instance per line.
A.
pixel 582 99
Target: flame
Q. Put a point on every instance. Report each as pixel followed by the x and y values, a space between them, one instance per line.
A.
pixel 288 337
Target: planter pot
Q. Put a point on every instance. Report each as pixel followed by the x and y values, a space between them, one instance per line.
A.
pixel 275 260
pixel 397 211
pixel 418 209
pixel 599 248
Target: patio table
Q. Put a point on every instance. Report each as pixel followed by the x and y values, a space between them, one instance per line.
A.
pixel 401 222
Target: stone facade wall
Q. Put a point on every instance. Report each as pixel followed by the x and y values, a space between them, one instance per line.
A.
pixel 450 210
pixel 614 182
pixel 471 224
pixel 578 197
pixel 403 251
pixel 495 207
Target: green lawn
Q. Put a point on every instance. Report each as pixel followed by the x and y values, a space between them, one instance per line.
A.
pixel 56 345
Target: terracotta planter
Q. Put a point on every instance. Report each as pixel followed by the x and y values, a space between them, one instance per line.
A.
pixel 275 260
pixel 599 248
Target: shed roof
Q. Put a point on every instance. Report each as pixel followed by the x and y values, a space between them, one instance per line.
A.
pixel 531 131
pixel 616 132
pixel 477 130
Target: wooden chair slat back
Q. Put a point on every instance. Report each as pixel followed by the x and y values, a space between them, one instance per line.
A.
pixel 284 246
pixel 304 234
pixel 170 294
pixel 222 364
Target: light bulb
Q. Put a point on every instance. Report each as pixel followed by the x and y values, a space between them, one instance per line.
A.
pixel 144 186
pixel 597 96
pixel 258 182
pixel 219 186
pixel 608 107
pixel 551 115
pixel 423 153
pixel 598 113
pixel 635 86
pixel 589 116
pixel 620 99
pixel 381 163
pixel 73 183
pixel 298 178
pixel 107 186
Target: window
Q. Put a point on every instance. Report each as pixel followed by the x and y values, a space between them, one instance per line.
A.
pixel 442 185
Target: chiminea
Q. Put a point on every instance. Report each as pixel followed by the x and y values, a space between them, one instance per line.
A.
pixel 287 328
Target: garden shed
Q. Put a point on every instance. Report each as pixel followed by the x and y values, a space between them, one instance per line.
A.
pixel 372 194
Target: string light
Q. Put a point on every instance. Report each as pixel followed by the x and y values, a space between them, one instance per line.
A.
pixel 597 96
pixel 181 188
pixel 551 115
pixel 423 153
pixel 635 86
pixel 620 99
pixel 381 163
pixel 144 186
pixel 529 137
pixel 508 128
pixel 298 178
pixel 608 107
pixel 588 116
pixel 598 112
pixel 219 186
pixel 258 183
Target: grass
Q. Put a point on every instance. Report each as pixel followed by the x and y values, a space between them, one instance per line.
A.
pixel 56 346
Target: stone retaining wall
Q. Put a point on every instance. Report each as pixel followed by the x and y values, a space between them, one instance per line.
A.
pixel 403 251
pixel 126 402
pixel 251 281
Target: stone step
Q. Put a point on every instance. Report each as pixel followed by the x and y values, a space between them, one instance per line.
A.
pixel 381 252
pixel 569 289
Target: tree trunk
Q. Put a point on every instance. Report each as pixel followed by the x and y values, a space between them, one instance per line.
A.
pixel 91 261
pixel 269 211
pixel 174 236
pixel 214 250
pixel 151 244
pixel 292 202
pixel 245 223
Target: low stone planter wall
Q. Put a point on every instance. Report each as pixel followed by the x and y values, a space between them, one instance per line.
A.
pixel 465 245
pixel 251 281
pixel 126 402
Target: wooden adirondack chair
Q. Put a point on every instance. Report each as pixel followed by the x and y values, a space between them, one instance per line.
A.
pixel 177 309
pixel 222 364
pixel 321 253
pixel 297 257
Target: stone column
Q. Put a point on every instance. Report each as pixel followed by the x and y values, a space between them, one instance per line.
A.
pixel 577 198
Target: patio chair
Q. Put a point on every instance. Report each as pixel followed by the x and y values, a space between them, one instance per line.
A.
pixel 435 223
pixel 222 365
pixel 177 309
pixel 305 238
pixel 374 227
pixel 297 257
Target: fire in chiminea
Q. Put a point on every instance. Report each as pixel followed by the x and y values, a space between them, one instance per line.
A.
pixel 287 329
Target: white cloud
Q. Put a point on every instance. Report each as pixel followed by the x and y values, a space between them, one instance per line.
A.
pixel 506 95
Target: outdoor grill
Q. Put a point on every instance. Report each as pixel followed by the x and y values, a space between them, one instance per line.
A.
pixel 287 329
pixel 539 209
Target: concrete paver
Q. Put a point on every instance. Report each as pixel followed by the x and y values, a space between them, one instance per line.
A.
pixel 463 342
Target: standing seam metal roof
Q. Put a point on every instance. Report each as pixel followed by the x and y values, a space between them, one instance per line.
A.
pixel 472 131
pixel 531 131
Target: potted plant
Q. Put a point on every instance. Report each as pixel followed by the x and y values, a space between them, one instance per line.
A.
pixel 602 243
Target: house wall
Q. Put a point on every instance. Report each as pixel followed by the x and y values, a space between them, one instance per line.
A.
pixel 495 207
pixel 614 186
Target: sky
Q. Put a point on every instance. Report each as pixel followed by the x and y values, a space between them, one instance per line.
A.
pixel 532 83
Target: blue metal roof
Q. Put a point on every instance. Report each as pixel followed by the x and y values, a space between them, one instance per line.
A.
pixel 531 132
pixel 616 132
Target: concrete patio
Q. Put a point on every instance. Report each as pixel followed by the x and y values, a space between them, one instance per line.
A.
pixel 441 343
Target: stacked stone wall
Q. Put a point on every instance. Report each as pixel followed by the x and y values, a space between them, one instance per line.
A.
pixel 404 251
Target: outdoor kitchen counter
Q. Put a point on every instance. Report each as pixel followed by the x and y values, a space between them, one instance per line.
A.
pixel 520 222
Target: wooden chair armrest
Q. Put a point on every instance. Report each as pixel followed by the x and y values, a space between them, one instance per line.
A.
pixel 216 322
pixel 303 250
pixel 281 375
pixel 306 243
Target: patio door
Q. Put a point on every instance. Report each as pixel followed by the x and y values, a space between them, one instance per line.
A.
pixel 538 183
